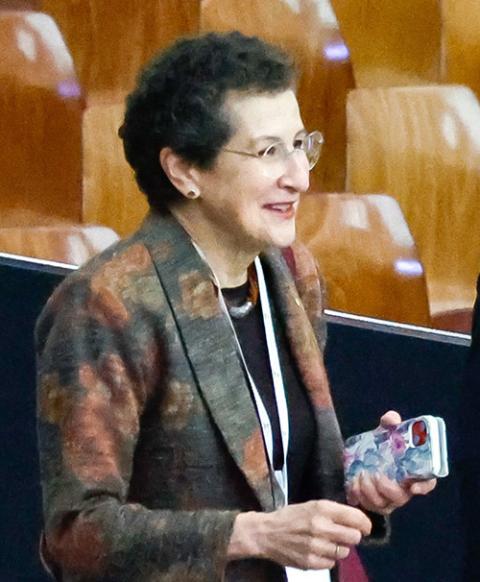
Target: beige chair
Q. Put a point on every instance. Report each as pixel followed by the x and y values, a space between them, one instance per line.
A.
pixel 366 254
pixel 112 39
pixel 111 196
pixel 393 42
pixel 65 244
pixel 309 30
pixel 422 146
pixel 41 109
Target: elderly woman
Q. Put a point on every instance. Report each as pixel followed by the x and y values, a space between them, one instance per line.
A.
pixel 185 420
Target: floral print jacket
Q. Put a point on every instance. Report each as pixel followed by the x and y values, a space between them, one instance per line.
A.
pixel 149 441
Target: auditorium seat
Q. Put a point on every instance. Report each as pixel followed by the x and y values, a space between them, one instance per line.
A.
pixel 72 244
pixel 422 146
pixel 111 196
pixel 392 42
pixel 111 40
pixel 309 30
pixel 41 109
pixel 366 254
pixel 461 31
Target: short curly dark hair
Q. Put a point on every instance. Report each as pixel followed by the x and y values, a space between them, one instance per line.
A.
pixel 179 97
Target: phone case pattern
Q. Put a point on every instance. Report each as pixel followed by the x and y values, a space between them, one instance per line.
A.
pixel 388 451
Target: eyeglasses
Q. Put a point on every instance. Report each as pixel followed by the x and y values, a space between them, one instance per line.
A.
pixel 310 145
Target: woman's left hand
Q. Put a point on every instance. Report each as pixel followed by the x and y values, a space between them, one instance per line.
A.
pixel 382 495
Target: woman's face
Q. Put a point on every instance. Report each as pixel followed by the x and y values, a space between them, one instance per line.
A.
pixel 252 202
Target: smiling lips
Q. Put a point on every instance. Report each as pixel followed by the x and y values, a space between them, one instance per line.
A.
pixel 283 209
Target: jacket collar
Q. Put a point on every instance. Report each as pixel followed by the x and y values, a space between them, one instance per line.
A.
pixel 211 349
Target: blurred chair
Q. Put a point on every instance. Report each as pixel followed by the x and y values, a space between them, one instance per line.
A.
pixel 308 30
pixel 111 40
pixel 461 39
pixel 64 244
pixel 111 196
pixel 422 146
pixel 366 255
pixel 391 42
pixel 41 109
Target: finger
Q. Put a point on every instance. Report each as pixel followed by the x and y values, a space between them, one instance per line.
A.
pixel 369 493
pixel 342 535
pixel 327 551
pixel 390 418
pixel 423 487
pixel 392 491
pixel 338 552
pixel 352 491
pixel 371 499
pixel 352 497
pixel 342 514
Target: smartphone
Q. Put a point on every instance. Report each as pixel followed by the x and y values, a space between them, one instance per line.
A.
pixel 413 449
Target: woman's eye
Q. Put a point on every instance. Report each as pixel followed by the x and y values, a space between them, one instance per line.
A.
pixel 298 144
pixel 270 151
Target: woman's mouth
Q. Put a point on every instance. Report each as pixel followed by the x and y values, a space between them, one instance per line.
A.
pixel 282 209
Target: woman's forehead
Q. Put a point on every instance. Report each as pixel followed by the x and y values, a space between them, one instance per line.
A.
pixel 264 114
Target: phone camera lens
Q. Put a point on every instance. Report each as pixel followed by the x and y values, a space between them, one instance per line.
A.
pixel 419 433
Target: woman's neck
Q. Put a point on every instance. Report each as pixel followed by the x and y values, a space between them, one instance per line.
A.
pixel 226 258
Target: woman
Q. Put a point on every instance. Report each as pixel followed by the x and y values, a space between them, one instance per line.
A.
pixel 182 395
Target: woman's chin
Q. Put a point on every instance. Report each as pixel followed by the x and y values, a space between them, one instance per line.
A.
pixel 283 238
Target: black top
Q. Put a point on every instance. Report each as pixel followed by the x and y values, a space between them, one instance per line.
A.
pixel 251 335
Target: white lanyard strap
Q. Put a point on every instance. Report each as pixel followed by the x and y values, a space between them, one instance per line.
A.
pixel 278 386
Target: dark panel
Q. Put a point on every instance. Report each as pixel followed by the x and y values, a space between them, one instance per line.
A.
pixel 375 371
pixel 23 291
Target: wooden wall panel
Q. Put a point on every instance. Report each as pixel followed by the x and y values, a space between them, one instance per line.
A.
pixel 462 42
pixel 366 254
pixel 111 40
pixel 309 30
pixel 111 196
pixel 422 146
pixel 65 244
pixel 40 107
pixel 392 42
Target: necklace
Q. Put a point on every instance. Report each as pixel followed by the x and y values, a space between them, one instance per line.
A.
pixel 239 311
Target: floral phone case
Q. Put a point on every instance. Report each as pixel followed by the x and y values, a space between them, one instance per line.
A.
pixel 414 449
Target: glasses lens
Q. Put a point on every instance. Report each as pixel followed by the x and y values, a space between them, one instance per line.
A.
pixel 313 147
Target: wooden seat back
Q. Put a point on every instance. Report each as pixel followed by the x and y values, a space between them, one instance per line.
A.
pixel 461 36
pixel 309 31
pixel 111 40
pixel 73 244
pixel 41 109
pixel 422 146
pixel 111 196
pixel 366 254
pixel 391 42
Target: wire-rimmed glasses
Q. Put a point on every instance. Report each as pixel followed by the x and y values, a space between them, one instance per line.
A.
pixel 310 144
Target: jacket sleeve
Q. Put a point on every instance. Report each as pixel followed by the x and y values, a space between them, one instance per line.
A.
pixel 97 366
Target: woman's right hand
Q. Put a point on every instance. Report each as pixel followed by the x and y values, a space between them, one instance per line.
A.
pixel 304 536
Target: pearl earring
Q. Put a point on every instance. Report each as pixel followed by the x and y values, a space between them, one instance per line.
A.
pixel 192 194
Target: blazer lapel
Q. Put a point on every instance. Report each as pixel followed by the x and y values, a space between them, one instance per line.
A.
pixel 299 330
pixel 211 349
pixel 327 470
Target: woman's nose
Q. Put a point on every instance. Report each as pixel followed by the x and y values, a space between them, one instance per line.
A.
pixel 296 173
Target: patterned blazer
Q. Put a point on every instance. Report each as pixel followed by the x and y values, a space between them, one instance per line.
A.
pixel 149 440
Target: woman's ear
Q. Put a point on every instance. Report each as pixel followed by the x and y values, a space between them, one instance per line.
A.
pixel 180 173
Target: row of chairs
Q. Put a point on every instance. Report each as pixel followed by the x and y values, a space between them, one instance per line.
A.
pixel 395 140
